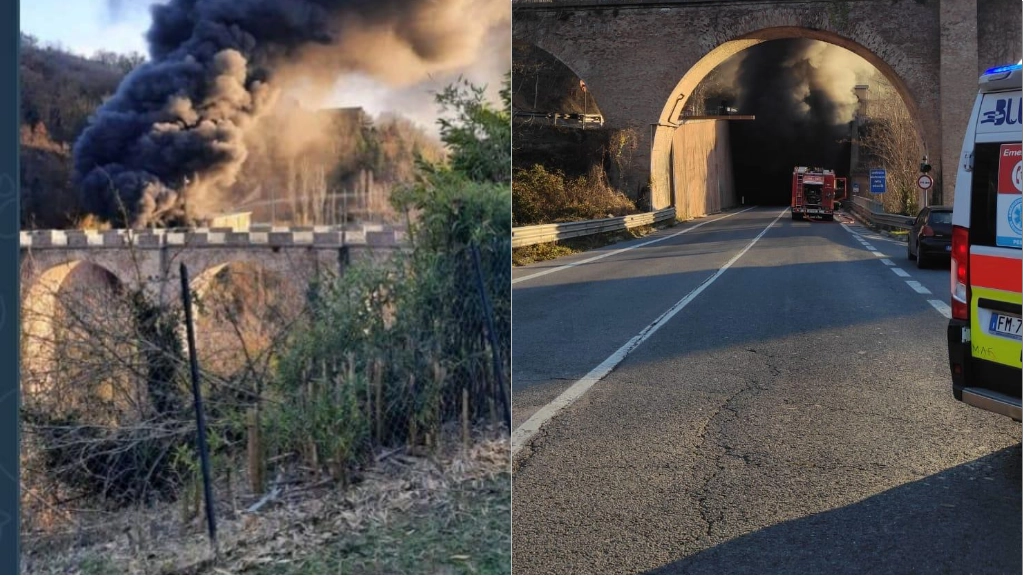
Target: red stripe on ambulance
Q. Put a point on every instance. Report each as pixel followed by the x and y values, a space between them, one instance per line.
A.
pixel 995 272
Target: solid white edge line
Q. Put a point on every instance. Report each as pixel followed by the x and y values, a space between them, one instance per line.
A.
pixel 522 434
pixel 888 262
pixel 900 272
pixel 942 307
pixel 621 250
pixel 918 287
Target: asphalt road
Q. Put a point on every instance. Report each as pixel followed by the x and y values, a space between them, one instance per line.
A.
pixel 794 416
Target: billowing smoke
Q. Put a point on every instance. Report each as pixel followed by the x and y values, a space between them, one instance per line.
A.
pixel 169 144
pixel 802 94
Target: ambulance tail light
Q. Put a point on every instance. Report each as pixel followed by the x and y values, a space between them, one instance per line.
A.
pixel 959 275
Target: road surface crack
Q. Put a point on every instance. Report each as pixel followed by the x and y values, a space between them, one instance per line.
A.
pixel 718 449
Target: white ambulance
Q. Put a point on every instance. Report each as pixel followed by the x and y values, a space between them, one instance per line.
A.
pixel 985 271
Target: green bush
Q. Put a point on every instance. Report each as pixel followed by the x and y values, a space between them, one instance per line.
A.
pixel 391 349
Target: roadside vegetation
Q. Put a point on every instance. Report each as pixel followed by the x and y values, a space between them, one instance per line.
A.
pixel 540 196
pixel 360 426
pixel 889 137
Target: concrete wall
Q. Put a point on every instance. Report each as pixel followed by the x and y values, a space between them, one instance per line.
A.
pixel 702 177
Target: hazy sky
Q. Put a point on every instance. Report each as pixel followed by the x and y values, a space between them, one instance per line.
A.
pixel 85 26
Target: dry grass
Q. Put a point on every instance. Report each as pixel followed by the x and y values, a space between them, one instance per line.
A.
pixel 448 513
pixel 542 197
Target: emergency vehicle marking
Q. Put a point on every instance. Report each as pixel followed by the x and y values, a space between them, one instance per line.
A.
pixel 997 273
pixel 1002 113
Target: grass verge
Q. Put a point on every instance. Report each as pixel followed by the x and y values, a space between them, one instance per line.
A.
pixel 551 250
pixel 465 533
pixel 449 513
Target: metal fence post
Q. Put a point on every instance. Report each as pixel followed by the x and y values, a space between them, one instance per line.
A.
pixel 499 373
pixel 204 454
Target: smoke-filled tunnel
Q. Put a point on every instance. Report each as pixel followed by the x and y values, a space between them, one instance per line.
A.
pixel 801 94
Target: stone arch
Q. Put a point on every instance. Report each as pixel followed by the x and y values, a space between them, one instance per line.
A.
pixel 662 134
pixel 40 303
pixel 559 67
pixel 270 293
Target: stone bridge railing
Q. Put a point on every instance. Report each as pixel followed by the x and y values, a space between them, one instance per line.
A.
pixel 255 236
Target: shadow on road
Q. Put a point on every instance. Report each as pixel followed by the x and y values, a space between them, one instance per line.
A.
pixel 972 513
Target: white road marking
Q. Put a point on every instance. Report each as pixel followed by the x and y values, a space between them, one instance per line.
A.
pixel 878 254
pixel 939 305
pixel 942 307
pixel 918 287
pixel 526 430
pixel 620 250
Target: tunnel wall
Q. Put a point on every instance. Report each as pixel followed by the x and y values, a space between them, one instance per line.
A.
pixel 702 176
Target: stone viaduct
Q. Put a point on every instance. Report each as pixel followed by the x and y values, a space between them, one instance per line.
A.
pixel 149 259
pixel 641 59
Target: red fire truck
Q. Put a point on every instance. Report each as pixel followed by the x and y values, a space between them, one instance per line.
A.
pixel 816 192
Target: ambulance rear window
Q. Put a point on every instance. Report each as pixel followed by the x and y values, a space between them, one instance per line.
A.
pixel 983 194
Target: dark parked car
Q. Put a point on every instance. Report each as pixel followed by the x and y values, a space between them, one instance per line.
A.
pixel 930 237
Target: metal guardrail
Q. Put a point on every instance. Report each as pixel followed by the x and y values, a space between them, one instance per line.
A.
pixel 541 233
pixel 874 213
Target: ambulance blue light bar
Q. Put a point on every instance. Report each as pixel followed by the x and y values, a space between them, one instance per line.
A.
pixel 999 69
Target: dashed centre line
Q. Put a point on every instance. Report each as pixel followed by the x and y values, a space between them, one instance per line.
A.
pixel 888 262
pixel 918 287
pixel 942 307
pixel 900 272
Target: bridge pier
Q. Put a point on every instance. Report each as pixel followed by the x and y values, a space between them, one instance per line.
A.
pixel 149 261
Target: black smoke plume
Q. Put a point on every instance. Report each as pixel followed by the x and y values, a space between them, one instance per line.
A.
pixel 802 94
pixel 169 144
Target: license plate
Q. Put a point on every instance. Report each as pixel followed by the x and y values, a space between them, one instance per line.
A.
pixel 1004 325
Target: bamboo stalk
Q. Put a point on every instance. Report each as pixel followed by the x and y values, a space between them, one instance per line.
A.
pixel 255 453
pixel 465 418
pixel 378 404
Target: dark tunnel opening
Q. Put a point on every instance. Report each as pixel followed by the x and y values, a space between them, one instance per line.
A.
pixel 802 95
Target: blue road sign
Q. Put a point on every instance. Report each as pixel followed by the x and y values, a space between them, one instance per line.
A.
pixel 877 178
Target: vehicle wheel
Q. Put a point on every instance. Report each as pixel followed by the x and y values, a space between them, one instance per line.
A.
pixel 921 261
pixel 829 218
pixel 910 255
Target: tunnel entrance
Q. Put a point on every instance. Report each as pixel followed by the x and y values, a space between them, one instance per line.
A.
pixel 787 97
pixel 804 98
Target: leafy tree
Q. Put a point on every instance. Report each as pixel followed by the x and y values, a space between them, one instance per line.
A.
pixel 479 135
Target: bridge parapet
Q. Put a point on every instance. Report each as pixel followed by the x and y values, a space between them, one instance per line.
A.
pixel 371 236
